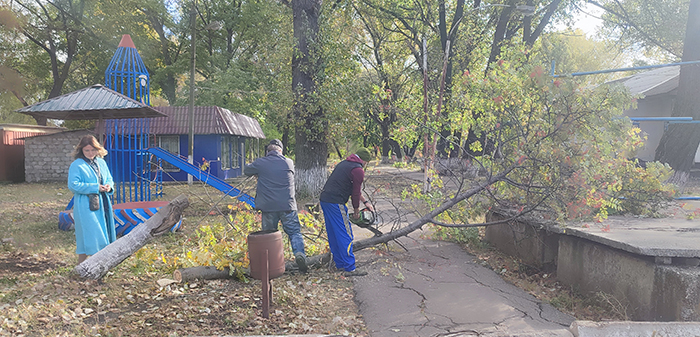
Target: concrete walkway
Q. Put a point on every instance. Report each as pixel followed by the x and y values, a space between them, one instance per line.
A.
pixel 423 287
pixel 435 288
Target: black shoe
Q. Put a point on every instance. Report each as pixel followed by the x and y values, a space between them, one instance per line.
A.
pixel 356 272
pixel 301 263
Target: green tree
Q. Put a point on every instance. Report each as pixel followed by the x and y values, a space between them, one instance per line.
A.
pixel 61 30
pixel 560 149
pixel 245 65
pixel 651 25
pixel 457 35
pixel 307 76
pixel 63 46
pixel 387 77
pixel 572 51
pixel 319 73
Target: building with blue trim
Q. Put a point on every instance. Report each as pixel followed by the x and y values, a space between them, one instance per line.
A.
pixel 221 139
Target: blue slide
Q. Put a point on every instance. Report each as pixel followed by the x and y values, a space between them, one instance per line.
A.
pixel 202 176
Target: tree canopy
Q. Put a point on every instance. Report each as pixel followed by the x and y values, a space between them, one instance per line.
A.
pixel 326 77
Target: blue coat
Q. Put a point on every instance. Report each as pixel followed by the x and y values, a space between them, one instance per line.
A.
pixel 94 230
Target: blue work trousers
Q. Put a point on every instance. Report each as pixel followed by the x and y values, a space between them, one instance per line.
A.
pixel 290 224
pixel 339 235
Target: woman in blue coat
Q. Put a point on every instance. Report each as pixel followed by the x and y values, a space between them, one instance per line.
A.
pixel 89 178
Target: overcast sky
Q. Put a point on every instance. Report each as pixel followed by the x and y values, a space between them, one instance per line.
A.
pixel 589 20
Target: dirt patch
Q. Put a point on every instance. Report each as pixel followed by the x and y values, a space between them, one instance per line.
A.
pixel 546 288
pixel 16 264
pixel 40 296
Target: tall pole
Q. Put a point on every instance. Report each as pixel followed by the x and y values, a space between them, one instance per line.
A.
pixel 426 135
pixel 193 56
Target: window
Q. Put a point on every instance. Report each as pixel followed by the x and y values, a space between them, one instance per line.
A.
pixel 235 156
pixel 172 145
pixel 230 158
pixel 225 152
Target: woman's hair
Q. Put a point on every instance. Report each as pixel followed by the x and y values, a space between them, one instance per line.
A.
pixel 85 141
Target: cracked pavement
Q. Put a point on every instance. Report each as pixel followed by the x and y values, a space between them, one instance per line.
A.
pixel 436 288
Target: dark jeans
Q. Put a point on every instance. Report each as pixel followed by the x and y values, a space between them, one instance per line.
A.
pixel 290 224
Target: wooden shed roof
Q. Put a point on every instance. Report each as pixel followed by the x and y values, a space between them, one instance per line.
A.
pixel 653 82
pixel 208 120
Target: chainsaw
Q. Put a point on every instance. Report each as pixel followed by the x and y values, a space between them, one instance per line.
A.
pixel 366 220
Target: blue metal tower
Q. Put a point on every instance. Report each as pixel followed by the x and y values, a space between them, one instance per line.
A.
pixel 128 160
pixel 127 74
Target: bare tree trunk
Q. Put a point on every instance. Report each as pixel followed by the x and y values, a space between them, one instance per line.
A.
pixel 679 142
pixel 337 150
pixel 99 264
pixel 311 129
pixel 386 144
pixel 309 182
pixel 427 162
pixel 499 34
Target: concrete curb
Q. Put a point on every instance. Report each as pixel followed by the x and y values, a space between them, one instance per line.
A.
pixel 312 335
pixel 548 333
pixel 634 329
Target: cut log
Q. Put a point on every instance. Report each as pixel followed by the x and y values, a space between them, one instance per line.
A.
pixel 97 266
pixel 201 272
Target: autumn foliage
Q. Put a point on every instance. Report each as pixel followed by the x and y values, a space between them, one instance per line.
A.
pixel 563 148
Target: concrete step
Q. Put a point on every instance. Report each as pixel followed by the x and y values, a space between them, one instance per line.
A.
pixel 634 329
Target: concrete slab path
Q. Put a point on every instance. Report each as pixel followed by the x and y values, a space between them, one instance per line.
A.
pixel 435 288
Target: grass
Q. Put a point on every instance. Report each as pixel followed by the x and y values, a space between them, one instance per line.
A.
pixel 41 296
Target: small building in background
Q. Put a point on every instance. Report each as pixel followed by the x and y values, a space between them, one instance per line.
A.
pixel 656 91
pixel 47 157
pixel 221 139
pixel 12 148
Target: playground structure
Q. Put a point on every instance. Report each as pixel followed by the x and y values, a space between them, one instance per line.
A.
pixel 202 176
pixel 130 214
pixel 130 145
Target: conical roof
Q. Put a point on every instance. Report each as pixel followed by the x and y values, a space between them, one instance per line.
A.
pixel 127 74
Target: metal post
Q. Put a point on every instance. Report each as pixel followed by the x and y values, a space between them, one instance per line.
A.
pixel 190 151
pixel 266 286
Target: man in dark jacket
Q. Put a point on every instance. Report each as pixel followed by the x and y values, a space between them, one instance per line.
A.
pixel 274 196
pixel 344 182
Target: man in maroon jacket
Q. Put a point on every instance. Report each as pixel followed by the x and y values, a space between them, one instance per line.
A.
pixel 345 182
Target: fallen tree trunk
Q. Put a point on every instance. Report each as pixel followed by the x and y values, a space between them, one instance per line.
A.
pixel 318 260
pixel 96 266
pixel 208 273
pixel 200 272
pixel 211 273
pixel 393 235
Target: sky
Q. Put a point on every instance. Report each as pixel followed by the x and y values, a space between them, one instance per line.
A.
pixel 588 20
